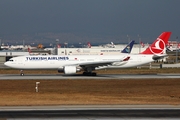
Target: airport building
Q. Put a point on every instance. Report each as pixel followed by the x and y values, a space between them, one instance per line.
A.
pixel 99 50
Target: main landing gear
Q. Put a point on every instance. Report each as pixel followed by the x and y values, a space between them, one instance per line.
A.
pixel 21 73
pixel 89 73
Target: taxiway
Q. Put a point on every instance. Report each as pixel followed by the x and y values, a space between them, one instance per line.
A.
pixel 92 112
pixel 77 76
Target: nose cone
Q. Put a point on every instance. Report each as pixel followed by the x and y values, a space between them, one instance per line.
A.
pixel 6 64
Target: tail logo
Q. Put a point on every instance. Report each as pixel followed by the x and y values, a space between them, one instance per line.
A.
pixel 158 47
pixel 128 49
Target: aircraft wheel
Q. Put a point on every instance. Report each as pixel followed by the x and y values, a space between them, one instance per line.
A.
pixel 22 74
pixel 84 73
pixel 93 74
pixel 89 73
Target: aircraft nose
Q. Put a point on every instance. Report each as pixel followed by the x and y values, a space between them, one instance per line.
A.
pixel 6 63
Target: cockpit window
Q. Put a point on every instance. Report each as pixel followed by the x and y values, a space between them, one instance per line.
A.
pixel 11 60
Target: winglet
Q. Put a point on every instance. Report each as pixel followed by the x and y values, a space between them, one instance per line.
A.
pixel 128 48
pixel 159 45
pixel 126 59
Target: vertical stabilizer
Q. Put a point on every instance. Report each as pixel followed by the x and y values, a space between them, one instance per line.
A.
pixel 29 50
pixel 89 45
pixel 128 48
pixel 159 45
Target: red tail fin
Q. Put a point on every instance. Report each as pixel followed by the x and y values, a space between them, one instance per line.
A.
pixel 142 44
pixel 29 50
pixel 159 45
pixel 58 46
pixel 89 45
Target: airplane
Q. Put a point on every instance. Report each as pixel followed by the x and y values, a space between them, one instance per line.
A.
pixel 110 45
pixel 71 64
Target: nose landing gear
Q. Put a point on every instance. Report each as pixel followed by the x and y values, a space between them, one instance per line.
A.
pixel 21 73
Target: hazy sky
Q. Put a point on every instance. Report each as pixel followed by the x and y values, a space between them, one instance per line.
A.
pixel 148 18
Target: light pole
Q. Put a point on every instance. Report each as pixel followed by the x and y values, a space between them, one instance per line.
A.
pixel 128 38
pixel 57 42
pixel 139 43
pixel 0 44
pixel 23 45
pixel 177 50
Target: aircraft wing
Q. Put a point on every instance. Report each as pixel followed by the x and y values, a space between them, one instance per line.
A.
pixel 103 63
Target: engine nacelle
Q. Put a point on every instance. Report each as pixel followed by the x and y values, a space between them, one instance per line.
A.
pixel 68 69
pixel 61 70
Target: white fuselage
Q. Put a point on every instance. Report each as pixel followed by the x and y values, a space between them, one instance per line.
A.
pixel 55 62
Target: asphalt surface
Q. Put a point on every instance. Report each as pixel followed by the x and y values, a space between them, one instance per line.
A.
pixel 78 76
pixel 92 111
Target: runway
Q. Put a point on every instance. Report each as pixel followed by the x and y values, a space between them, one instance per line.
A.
pixel 78 76
pixel 95 112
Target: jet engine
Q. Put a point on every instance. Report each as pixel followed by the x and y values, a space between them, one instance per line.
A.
pixel 68 70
